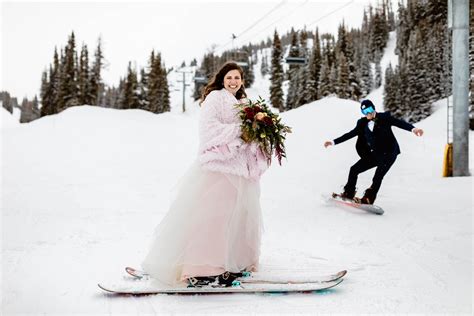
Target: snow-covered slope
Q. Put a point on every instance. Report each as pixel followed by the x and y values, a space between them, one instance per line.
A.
pixel 82 192
pixel 7 119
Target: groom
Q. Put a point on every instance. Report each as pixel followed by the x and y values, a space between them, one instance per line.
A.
pixel 377 147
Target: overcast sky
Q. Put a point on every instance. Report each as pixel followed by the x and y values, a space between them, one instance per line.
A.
pixel 180 30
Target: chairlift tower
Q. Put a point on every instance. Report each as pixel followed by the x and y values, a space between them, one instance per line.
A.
pixel 184 72
pixel 460 63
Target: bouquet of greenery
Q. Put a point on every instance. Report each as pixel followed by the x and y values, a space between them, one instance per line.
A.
pixel 260 124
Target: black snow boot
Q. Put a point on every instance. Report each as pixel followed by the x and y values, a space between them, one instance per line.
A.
pixel 369 196
pixel 348 193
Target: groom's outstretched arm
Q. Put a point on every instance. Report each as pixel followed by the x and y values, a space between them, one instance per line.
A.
pixel 343 138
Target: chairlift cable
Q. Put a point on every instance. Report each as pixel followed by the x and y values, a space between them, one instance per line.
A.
pixel 334 11
pixel 315 21
pixel 253 25
pixel 282 17
pixel 262 18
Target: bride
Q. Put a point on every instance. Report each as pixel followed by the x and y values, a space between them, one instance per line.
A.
pixel 213 228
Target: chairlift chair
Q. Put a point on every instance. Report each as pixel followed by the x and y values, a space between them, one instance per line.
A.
pixel 199 78
pixel 296 60
pixel 240 57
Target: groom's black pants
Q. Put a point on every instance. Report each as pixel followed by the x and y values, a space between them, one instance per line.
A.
pixel 383 164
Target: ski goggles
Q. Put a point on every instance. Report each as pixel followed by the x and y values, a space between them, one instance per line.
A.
pixel 368 110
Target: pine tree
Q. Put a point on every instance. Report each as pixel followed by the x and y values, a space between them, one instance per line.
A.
pixel 6 101
pixel 276 74
pixel 418 89
pixel 292 90
pixel 158 90
pixel 165 99
pixel 29 110
pixel 153 82
pixel 62 88
pixel 45 94
pixel 343 89
pixel 131 98
pixel 333 76
pixel 143 86
pixel 341 44
pixel 36 110
pixel 353 59
pixel 325 88
pixel 54 80
pixel 264 66
pixel 83 78
pixel 26 111
pixel 312 84
pixel 366 76
pixel 378 33
pixel 390 90
pixel 302 77
pixel 248 74
pixel 120 94
pixel 378 71
pixel 96 87
pixel 67 94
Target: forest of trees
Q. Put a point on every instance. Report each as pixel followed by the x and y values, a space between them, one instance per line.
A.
pixel 73 80
pixel 349 66
pixel 423 73
pixel 346 65
pixel 340 66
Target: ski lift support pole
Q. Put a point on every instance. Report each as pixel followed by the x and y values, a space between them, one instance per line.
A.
pixel 184 87
pixel 460 56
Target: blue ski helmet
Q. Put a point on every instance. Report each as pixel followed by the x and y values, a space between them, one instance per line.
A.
pixel 366 107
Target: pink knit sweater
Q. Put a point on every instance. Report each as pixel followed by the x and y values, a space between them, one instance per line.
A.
pixel 220 146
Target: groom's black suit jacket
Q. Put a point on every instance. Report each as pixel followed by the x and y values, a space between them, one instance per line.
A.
pixel 381 141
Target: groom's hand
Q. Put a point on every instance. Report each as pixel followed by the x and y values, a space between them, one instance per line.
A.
pixel 328 143
pixel 417 131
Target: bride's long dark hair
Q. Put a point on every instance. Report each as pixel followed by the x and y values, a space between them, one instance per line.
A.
pixel 217 81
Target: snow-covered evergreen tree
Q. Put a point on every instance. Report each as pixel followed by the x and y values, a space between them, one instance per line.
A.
pixel 325 81
pixel 67 86
pixel 143 86
pixel 276 74
pixel 264 68
pixel 29 110
pixel 96 86
pixel 343 90
pixel 6 100
pixel 314 70
pixel 378 71
pixel 131 98
pixel 83 80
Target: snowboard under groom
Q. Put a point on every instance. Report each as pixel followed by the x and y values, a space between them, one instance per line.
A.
pixel 377 147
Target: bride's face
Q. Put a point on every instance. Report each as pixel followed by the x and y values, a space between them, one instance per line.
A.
pixel 233 81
